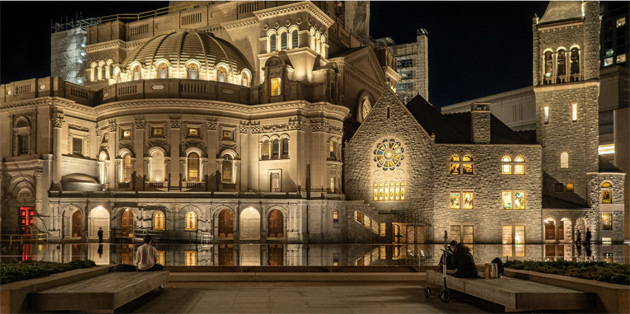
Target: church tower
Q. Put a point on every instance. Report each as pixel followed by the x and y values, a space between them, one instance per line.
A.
pixel 566 86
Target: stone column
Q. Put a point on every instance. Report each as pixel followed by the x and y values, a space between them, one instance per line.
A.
pixel 112 144
pixel 57 122
pixel 39 190
pixel 174 139
pixel 138 147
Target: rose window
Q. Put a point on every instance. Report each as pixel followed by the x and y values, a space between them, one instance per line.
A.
pixel 388 154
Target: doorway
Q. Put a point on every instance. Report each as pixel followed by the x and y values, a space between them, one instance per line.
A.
pixel 77 222
pixel 127 223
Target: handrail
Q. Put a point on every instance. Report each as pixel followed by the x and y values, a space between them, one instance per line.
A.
pixel 146 14
pixel 19 236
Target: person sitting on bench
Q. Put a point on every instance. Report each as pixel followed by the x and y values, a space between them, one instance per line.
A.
pixel 147 256
pixel 463 263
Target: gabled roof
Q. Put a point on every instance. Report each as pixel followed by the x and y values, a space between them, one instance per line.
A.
pixel 455 128
pixel 607 166
pixel 558 11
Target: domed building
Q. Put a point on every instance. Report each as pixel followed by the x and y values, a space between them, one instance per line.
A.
pixel 277 123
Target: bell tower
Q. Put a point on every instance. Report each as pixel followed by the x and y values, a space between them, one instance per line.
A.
pixel 566 87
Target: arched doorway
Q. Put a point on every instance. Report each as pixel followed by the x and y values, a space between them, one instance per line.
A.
pixel 226 224
pixel 550 229
pixel 250 224
pixel 98 218
pixel 77 221
pixel 126 223
pixel 276 255
pixel 276 224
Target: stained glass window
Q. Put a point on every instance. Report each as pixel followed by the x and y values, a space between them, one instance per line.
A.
pixel 158 221
pixel 467 200
pixel 468 168
pixel 506 200
pixel 506 167
pixel 275 86
pixel 519 200
pixel 606 196
pixel 454 158
pixel 455 200
pixel 506 234
pixel 454 168
pixel 467 158
pixel 388 154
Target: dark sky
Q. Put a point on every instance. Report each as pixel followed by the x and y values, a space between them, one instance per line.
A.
pixel 475 48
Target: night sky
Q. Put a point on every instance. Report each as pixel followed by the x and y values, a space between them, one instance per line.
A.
pixel 475 48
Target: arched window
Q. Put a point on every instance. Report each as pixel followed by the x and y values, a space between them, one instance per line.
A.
pixel 294 39
pixel 575 60
pixel 191 221
pixel 245 80
pixel 467 164
pixel 159 221
pixel 564 160
pixel 272 43
pixel 193 167
pixel 276 148
pixel 110 70
pixel 506 167
pixel 607 193
pixel 455 167
pixel 331 150
pixel 221 74
pixel 136 73
pixel 519 165
pixel 103 72
pixel 126 171
pixel 285 147
pixel 157 166
pixel 266 149
pixel 366 106
pixel 275 86
pixel 562 63
pixel 226 170
pixel 23 131
pixel 163 70
pixel 276 224
pixel 548 63
pixel 192 71
pixel 284 41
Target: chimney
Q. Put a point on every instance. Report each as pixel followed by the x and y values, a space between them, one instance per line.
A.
pixel 480 123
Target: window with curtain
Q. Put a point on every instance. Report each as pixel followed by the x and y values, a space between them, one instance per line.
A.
pixel 193 167
pixel 191 221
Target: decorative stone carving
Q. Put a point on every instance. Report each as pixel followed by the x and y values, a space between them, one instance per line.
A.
pixel 157 142
pixel 38 173
pixel 98 132
pixel 112 125
pixel 296 123
pixel 126 143
pixel 57 118
pixel 176 123
pixel 255 127
pixel 79 127
pixel 279 127
pixel 244 127
pixel 140 123
pixel 211 124
pixel 228 145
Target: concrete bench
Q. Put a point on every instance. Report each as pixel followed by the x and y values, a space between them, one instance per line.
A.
pixel 516 294
pixel 103 293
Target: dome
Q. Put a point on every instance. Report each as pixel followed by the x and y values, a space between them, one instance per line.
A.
pixel 181 51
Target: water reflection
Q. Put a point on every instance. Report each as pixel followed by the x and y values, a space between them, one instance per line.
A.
pixel 307 254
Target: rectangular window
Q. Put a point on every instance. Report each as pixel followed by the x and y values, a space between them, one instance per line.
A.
pixel 335 215
pixel 519 169
pixel 126 133
pixel 506 200
pixel 608 61
pixel 456 233
pixel 570 187
pixel 193 132
pixel 332 185
pixel 467 200
pixel 519 239
pixel 546 113
pixel 519 200
pixel 506 169
pixel 468 168
pixel 455 200
pixel 77 146
pixel 454 169
pixel 506 234
pixel 621 58
pixel 621 22
pixel 157 132
pixel 381 229
pixel 468 234
pixel 559 187
pixel 607 221
pixel 228 135
pixel 161 257
pixel 275 86
pixel 191 258
pixel 574 112
pixel 607 196
pixel 22 144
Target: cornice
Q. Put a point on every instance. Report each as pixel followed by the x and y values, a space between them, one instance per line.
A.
pixel 238 24
pixel 116 43
pixel 305 6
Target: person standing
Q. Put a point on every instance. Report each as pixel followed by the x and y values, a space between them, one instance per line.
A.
pixel 588 237
pixel 100 234
pixel 146 256
pixel 578 242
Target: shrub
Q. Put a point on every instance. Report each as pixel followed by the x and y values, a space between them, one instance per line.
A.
pixel 602 271
pixel 17 271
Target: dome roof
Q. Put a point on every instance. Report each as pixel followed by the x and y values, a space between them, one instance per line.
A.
pixel 183 45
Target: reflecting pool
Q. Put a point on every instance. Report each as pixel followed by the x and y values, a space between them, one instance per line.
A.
pixel 256 254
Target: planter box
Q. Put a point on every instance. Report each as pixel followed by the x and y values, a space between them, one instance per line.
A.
pixel 14 296
pixel 611 298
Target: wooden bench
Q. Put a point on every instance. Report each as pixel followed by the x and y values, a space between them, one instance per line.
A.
pixel 103 293
pixel 516 294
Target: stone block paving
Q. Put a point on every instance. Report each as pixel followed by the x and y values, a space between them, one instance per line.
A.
pixel 312 297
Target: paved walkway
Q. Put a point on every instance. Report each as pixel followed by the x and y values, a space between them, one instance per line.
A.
pixel 313 297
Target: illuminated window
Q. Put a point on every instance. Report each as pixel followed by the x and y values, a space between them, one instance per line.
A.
pixel 506 235
pixel 389 191
pixel 606 193
pixel 126 133
pixel 161 257
pixel 506 200
pixel 221 74
pixel 275 86
pixel 467 165
pixel 193 132
pixel 607 221
pixel 193 167
pixel 158 221
pixel 332 185
pixel 519 165
pixel 512 200
pixel 191 221
pixel 226 170
pixel 245 80
pixel 455 200
pixel 574 112
pixel 157 166
pixel 548 63
pixel 275 182
pixel 564 160
pixel 228 135
pixel 157 132
pixel 546 113
pixel 163 70
pixel 192 71
pixel 467 200
pixel 266 149
pixel 388 154
pixel 608 61
pixel 294 39
pixel 621 58
pixel 272 43
pixel 506 167
pixel 621 22
pixel 570 187
pixel 335 215
pixel 190 258
pixel 126 171
pixel 519 200
pixel 284 41
pixel 519 240
pixel 77 146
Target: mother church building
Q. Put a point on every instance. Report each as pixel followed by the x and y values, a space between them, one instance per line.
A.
pixel 278 122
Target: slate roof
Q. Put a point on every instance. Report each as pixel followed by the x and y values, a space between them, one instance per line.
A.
pixel 455 128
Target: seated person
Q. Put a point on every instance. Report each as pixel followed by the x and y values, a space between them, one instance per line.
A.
pixel 146 256
pixel 463 263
